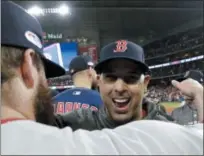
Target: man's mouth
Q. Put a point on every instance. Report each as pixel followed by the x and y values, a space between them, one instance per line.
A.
pixel 121 104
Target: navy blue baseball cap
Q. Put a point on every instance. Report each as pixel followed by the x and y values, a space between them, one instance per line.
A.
pixel 193 74
pixel 122 49
pixel 20 29
pixel 80 63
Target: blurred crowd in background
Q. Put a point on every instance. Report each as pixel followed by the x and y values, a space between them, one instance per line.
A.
pixel 168 93
pixel 174 44
pixel 177 69
pixel 171 49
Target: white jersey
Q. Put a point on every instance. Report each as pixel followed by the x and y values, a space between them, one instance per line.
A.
pixel 136 138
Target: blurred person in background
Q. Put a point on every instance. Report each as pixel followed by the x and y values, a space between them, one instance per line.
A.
pixel 188 113
pixel 26 99
pixel 81 96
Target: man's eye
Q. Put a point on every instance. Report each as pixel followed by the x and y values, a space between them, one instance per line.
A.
pixel 131 79
pixel 110 78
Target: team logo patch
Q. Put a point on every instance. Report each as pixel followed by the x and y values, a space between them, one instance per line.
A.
pixel 90 63
pixel 76 92
pixel 33 38
pixel 121 46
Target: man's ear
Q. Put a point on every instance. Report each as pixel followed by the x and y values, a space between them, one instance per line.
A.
pixel 97 79
pixel 28 69
pixel 146 81
pixel 89 73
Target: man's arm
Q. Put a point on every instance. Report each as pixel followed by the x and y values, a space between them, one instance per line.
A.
pixel 77 119
pixel 194 91
pixel 135 138
pixel 91 120
pixel 198 101
pixel 139 138
pixel 85 119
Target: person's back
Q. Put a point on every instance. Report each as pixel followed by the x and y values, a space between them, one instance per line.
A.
pixel 136 138
pixel 76 98
pixel 82 96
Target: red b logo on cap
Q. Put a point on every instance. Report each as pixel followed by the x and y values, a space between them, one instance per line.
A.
pixel 121 46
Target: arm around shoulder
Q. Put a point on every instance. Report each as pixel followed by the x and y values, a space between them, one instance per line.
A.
pixel 77 119
pixel 138 138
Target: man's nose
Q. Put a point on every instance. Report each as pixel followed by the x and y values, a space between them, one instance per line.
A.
pixel 120 86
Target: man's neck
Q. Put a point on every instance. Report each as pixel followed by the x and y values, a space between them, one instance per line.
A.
pixel 82 86
pixel 7 112
pixel 82 83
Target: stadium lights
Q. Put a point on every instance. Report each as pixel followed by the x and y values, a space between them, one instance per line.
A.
pixel 63 10
pixel 37 11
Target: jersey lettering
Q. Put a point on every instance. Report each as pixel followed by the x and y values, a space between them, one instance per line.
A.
pixel 68 107
pixel 60 107
pixel 93 108
pixel 121 46
pixel 76 105
pixel 63 107
pixel 85 106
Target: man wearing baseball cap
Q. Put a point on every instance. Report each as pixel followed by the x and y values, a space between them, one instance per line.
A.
pixel 82 71
pixel 123 81
pixel 84 76
pixel 188 113
pixel 24 68
pixel 24 92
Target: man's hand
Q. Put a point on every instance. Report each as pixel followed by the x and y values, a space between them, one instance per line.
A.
pixel 193 90
pixel 188 87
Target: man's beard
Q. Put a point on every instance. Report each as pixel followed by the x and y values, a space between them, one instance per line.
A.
pixel 44 111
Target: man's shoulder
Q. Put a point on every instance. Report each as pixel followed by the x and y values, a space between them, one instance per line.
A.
pixel 79 92
pixel 87 91
pixel 92 96
pixel 64 93
pixel 29 137
pixel 28 126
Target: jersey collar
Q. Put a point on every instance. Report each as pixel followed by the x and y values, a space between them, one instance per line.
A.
pixel 3 121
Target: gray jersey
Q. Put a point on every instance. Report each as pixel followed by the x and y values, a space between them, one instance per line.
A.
pixel 185 115
pixel 135 138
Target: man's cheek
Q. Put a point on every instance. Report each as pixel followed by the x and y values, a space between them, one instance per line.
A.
pixel 137 89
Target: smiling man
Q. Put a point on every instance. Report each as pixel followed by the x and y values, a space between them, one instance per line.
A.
pixel 122 84
pixel 26 107
pixel 123 80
